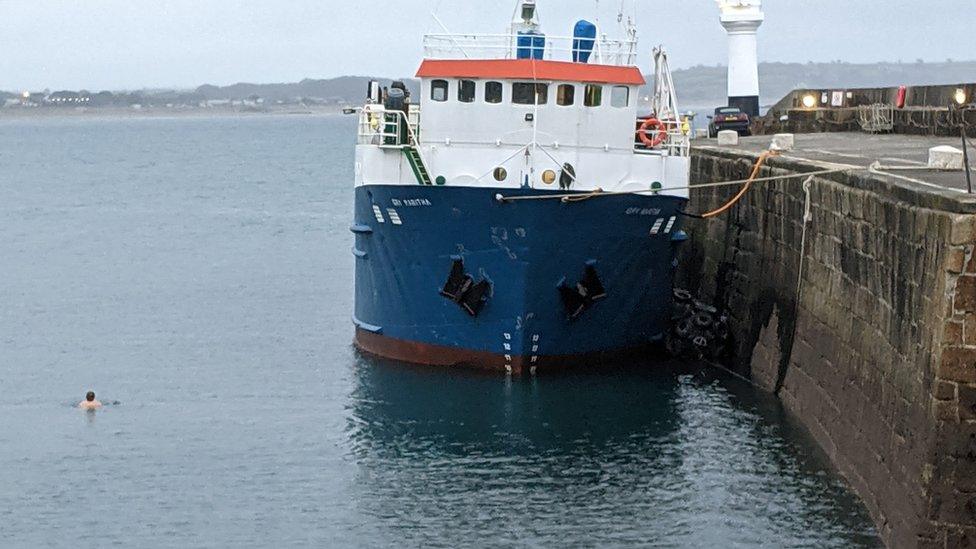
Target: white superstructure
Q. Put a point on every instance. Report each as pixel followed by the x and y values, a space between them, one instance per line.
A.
pixel 504 111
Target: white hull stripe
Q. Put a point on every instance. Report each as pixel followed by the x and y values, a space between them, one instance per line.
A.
pixel 670 226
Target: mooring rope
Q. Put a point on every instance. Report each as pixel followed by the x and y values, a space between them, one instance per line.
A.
pixel 807 218
pixel 756 169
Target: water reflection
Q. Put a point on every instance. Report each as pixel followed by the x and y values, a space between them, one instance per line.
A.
pixel 404 410
pixel 662 454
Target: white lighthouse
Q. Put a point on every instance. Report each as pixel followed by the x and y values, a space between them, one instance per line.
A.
pixel 741 19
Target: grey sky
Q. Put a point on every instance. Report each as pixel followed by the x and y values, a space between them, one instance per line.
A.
pixel 115 44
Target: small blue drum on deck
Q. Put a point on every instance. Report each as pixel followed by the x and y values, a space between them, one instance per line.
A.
pixel 584 37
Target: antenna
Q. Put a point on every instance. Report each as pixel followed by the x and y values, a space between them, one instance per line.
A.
pixel 449 35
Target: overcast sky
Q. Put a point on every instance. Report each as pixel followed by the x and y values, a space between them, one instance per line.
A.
pixel 127 44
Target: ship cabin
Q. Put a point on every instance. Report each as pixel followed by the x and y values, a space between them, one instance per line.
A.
pixel 501 111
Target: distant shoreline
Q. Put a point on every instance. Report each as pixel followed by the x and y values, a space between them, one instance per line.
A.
pixel 80 113
pixel 41 113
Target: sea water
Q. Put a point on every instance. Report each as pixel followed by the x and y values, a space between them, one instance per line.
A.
pixel 196 273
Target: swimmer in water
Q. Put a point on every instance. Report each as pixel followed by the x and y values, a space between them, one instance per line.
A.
pixel 90 403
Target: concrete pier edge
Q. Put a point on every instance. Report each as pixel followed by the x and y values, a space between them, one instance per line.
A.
pixel 878 357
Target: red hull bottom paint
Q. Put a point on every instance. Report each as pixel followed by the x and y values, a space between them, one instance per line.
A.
pixel 436 355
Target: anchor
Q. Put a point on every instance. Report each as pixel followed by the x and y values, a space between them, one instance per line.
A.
pixel 463 290
pixel 589 290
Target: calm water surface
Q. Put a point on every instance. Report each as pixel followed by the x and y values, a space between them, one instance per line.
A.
pixel 198 272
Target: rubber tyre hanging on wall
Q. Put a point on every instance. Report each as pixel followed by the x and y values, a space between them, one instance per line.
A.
pixel 682 296
pixel 703 319
pixel 698 330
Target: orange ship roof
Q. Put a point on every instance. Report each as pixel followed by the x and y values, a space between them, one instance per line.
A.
pixel 530 69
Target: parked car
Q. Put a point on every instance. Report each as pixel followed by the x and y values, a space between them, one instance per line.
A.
pixel 729 118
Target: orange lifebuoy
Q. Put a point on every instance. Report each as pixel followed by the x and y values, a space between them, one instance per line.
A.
pixel 662 133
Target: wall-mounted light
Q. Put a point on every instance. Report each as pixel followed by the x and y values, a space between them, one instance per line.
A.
pixel 809 101
pixel 960 96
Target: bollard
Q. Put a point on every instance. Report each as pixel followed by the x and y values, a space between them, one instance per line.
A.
pixel 782 142
pixel 945 158
pixel 728 138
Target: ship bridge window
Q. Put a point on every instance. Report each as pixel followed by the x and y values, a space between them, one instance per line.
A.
pixel 527 93
pixel 565 95
pixel 593 95
pixel 438 90
pixel 493 92
pixel 466 91
pixel 620 96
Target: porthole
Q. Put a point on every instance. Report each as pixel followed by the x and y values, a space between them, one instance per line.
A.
pixel 501 174
pixel 548 177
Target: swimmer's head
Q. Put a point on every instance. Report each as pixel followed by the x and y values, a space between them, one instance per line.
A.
pixel 90 397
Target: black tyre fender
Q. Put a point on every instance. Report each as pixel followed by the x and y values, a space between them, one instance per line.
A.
pixel 704 320
pixel 682 296
pixel 674 346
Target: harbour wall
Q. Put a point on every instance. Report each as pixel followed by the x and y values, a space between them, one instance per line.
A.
pixel 877 356
pixel 927 110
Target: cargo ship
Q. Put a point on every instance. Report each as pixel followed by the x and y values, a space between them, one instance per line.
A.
pixel 523 213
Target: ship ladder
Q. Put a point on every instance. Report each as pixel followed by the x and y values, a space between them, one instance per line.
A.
pixel 417 164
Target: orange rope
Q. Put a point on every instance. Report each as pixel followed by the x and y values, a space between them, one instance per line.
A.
pixel 745 188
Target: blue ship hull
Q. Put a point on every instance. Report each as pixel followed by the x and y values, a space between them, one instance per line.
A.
pixel 409 238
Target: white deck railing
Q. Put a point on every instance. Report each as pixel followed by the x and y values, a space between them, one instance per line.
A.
pixel 678 143
pixel 395 129
pixel 378 126
pixel 506 46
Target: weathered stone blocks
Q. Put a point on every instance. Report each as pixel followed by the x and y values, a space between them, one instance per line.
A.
pixel 882 349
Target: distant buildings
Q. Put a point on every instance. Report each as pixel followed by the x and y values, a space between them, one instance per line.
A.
pixel 33 99
pixel 241 98
pixel 69 99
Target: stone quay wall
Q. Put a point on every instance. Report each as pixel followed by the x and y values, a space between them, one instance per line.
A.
pixel 877 357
